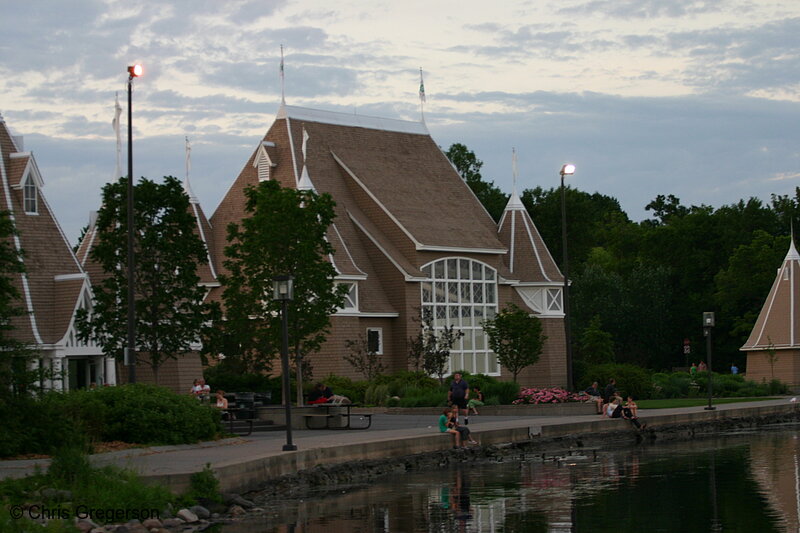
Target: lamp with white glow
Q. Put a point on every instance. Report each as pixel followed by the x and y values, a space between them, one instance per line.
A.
pixel 134 71
pixel 568 169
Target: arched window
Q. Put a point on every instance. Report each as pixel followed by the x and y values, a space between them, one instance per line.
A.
pixel 463 293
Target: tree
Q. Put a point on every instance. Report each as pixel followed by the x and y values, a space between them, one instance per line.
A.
pixel 516 337
pixel 597 346
pixel 469 167
pixel 363 359
pixel 14 355
pixel 283 233
pixel 430 348
pixel 169 308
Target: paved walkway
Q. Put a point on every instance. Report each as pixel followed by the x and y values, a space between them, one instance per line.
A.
pixel 175 460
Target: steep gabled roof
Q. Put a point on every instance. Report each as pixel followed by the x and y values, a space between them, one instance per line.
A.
pixel 778 324
pixel 528 257
pixel 53 281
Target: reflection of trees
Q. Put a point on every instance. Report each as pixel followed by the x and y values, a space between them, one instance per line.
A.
pixel 698 486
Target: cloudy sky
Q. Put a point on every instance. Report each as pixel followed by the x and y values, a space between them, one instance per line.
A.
pixel 700 99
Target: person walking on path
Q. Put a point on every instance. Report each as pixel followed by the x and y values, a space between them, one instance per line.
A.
pixel 734 369
pixel 459 394
pixel 693 370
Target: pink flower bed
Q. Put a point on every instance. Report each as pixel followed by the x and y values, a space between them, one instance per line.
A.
pixel 553 395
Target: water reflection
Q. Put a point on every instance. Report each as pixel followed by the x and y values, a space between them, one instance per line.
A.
pixel 733 483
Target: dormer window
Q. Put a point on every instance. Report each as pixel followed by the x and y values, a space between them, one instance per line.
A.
pixel 29 197
pixel 264 160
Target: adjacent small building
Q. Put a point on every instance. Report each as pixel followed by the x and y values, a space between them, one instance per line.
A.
pixel 409 235
pixel 54 285
pixel 773 348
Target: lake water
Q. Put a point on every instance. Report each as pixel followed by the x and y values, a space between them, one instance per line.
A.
pixel 747 482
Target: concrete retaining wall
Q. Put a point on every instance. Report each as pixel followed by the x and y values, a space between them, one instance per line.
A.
pixel 249 475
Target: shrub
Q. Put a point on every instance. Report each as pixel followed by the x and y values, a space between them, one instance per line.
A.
pixel 425 398
pixel 505 391
pixel 204 487
pixel 631 379
pixel 347 387
pixel 376 394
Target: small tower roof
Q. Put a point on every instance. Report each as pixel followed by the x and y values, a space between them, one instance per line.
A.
pixel 778 324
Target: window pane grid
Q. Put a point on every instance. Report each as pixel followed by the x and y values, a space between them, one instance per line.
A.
pixel 462 293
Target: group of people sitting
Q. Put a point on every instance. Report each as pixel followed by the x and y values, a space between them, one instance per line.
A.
pixel 202 391
pixel 448 423
pixel 610 404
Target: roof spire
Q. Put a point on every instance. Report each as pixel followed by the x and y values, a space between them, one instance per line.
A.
pixel 421 97
pixel 514 201
pixel 283 92
pixel 186 186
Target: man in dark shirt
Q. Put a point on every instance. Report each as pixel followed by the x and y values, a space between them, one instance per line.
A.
pixel 459 394
pixel 611 388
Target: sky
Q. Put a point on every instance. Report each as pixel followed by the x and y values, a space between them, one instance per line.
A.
pixel 700 99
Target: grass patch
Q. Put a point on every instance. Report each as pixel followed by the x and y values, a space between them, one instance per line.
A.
pixel 670 403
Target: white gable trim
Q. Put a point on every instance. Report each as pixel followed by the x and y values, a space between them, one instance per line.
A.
pixel 26 291
pixel 459 249
pixel 406 275
pixel 417 244
pixel 535 248
pixel 205 243
pixel 91 347
pixel 291 149
pixel 31 169
pixel 347 250
pixel 70 277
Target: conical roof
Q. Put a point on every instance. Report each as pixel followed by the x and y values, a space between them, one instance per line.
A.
pixel 528 257
pixel 778 324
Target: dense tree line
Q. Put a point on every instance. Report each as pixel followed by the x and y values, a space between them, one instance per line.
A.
pixel 646 284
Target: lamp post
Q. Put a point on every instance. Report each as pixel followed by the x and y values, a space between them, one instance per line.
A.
pixel 708 324
pixel 566 170
pixel 283 291
pixel 134 71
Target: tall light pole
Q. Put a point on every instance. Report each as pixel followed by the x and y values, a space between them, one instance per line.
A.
pixel 283 291
pixel 134 71
pixel 708 325
pixel 566 170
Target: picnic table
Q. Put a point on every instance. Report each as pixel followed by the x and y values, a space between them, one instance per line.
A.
pixel 329 412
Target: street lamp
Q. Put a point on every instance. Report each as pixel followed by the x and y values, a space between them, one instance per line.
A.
pixel 708 324
pixel 283 291
pixel 134 71
pixel 566 170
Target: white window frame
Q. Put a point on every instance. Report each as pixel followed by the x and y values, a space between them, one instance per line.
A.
pixel 351 297
pixel 379 331
pixel 30 195
pixel 463 292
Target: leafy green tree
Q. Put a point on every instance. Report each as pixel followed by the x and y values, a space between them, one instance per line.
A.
pixel 597 346
pixel 742 286
pixel 591 220
pixel 14 355
pixel 283 233
pixel 516 337
pixel 169 309
pixel 469 167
